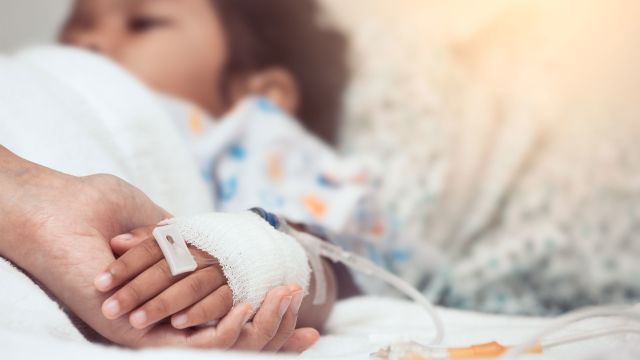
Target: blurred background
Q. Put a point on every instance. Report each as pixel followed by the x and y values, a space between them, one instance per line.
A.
pixel 31 21
pixel 586 50
pixel 452 96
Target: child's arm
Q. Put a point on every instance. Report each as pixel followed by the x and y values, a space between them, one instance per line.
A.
pixel 316 316
pixel 150 294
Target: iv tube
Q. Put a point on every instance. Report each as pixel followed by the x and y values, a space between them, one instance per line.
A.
pixel 361 264
pixel 630 312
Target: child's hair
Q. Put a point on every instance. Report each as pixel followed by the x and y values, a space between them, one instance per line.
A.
pixel 290 34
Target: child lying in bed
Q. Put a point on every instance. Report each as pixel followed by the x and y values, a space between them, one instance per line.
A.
pixel 219 56
pixel 249 64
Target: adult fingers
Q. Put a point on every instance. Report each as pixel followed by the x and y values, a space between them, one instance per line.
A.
pixel 134 208
pixel 125 242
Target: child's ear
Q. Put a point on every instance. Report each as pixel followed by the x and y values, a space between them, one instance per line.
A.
pixel 276 84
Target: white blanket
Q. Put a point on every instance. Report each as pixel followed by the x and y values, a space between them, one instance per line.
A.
pixel 356 328
pixel 80 114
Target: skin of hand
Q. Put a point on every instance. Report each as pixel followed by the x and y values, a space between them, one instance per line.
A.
pixel 140 244
pixel 55 227
pixel 149 293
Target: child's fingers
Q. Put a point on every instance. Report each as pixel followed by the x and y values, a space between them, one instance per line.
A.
pixel 180 295
pixel 266 322
pixel 225 334
pixel 288 323
pixel 221 337
pixel 301 340
pixel 129 265
pixel 145 286
pixel 211 308
pixel 124 242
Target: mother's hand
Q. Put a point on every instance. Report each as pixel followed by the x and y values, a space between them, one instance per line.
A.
pixel 56 226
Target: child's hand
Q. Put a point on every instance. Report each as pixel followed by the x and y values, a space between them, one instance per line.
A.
pixel 152 294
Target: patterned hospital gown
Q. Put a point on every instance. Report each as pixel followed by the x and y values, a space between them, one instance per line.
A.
pixel 497 226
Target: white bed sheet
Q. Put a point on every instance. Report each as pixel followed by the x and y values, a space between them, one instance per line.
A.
pixel 32 326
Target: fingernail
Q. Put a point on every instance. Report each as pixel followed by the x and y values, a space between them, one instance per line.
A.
pixel 111 308
pixel 123 237
pixel 284 305
pixel 180 321
pixel 103 281
pixel 296 302
pixel 138 318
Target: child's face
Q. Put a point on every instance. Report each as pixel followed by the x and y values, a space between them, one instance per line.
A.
pixel 174 46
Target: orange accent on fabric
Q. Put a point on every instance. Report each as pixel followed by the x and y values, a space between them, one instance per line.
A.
pixel 275 167
pixel 377 229
pixel 361 178
pixel 317 207
pixel 196 122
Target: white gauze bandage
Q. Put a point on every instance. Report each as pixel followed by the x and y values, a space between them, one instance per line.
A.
pixel 253 255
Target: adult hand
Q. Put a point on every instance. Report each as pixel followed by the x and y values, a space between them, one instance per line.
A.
pixel 56 226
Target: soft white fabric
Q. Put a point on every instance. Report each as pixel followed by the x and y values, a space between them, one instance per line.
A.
pixel 32 326
pixel 361 326
pixel 80 114
pixel 35 327
pixel 253 255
